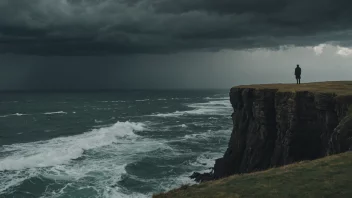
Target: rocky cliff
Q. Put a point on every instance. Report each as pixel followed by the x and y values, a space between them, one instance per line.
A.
pixel 275 125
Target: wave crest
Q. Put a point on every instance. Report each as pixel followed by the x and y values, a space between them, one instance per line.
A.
pixel 56 112
pixel 63 150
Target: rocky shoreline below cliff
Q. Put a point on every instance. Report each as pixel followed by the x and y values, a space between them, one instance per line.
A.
pixel 276 125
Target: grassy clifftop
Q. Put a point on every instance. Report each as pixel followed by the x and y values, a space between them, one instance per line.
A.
pixel 337 87
pixel 327 177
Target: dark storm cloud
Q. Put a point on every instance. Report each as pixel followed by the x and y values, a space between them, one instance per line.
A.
pixel 107 27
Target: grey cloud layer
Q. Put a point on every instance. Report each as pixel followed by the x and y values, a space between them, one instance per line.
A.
pixel 106 27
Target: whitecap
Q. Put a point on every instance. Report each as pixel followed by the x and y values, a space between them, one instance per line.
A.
pixel 220 107
pixel 9 180
pixel 52 159
pixel 206 160
pixel 142 100
pixel 15 114
pixel 56 112
pixel 98 121
pixel 174 114
pixel 180 98
pixel 219 98
pixel 209 134
pixel 112 101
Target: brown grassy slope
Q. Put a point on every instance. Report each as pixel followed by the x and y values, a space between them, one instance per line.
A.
pixel 327 177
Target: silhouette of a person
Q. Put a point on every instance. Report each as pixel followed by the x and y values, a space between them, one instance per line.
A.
pixel 298 72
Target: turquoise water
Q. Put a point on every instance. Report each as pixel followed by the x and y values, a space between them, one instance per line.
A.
pixel 108 144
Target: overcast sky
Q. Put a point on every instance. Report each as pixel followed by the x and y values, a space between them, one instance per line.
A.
pixel 93 44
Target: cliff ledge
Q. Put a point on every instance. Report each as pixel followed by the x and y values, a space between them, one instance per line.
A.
pixel 278 124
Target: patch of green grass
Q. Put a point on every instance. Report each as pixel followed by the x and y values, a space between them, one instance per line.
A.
pixel 327 177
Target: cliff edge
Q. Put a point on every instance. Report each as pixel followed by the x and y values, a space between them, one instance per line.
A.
pixel 278 124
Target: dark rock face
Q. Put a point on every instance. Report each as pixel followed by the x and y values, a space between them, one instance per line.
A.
pixel 198 177
pixel 273 128
pixel 341 139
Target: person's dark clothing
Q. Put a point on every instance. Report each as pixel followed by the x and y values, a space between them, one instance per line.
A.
pixel 298 72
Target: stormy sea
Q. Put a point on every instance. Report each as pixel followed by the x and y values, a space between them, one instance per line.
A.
pixel 109 144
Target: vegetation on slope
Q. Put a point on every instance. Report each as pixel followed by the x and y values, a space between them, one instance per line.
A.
pixel 327 177
pixel 337 87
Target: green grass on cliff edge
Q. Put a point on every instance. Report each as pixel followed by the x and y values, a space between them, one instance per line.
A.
pixel 337 87
pixel 327 177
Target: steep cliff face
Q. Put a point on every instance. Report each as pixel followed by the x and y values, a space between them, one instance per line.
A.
pixel 273 127
pixel 341 139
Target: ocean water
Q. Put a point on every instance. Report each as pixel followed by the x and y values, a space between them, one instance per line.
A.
pixel 109 144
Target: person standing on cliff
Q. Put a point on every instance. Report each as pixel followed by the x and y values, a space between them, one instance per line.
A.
pixel 298 72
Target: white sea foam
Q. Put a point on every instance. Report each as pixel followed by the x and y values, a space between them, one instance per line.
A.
pixel 8 180
pixel 221 103
pixel 56 112
pixel 106 166
pixel 205 160
pixel 180 98
pixel 202 164
pixel 23 114
pixel 15 114
pixel 209 134
pixel 142 100
pixel 177 182
pixel 115 193
pixel 62 150
pixel 98 121
pixel 174 114
pixel 220 98
pixel 112 101
pixel 219 107
pixel 102 154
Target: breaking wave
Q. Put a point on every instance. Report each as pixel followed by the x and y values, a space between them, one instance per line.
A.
pixel 106 150
pixel 62 150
